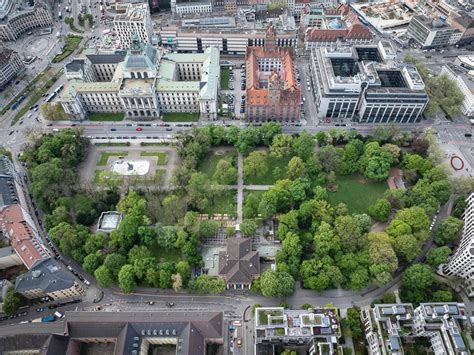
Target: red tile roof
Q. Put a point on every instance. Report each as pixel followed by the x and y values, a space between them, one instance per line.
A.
pixel 354 32
pixel 21 235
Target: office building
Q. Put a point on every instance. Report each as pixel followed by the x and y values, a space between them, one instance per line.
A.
pixel 239 265
pixel 10 66
pixel 388 327
pixel 183 8
pixel 131 19
pixel 273 92
pixel 464 80
pixel 143 83
pixel 49 278
pixel 464 23
pixel 315 330
pixel 119 333
pixel 461 263
pixel 18 17
pixel 429 33
pixel 366 83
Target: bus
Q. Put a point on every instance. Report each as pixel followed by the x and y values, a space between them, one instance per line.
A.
pixel 50 97
pixel 59 88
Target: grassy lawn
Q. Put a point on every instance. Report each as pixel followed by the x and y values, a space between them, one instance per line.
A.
pixel 104 156
pixel 225 78
pixel 209 165
pixel 112 144
pixel 106 116
pixel 71 42
pixel 164 255
pixel 97 176
pixel 156 179
pixel 162 156
pixel 224 202
pixel 276 170
pixel 357 193
pixel 181 117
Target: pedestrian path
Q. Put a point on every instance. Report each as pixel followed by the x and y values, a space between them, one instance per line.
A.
pixel 240 188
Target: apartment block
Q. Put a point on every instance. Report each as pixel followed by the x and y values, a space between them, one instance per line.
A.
pixel 461 263
pixel 366 84
pixel 10 66
pixel 314 330
pixel 388 327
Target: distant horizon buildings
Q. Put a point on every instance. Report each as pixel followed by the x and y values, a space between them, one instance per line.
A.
pixel 461 263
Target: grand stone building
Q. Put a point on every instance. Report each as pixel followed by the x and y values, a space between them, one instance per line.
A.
pixel 143 83
pixel 17 17
pixel 131 19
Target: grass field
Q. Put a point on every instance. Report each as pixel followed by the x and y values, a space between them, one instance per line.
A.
pixel 162 156
pixel 224 202
pixel 181 117
pixel 97 176
pixel 105 156
pixel 225 78
pixel 273 165
pixel 357 193
pixel 71 43
pixel 164 255
pixel 106 116
pixel 208 166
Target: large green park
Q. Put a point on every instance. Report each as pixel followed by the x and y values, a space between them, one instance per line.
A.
pixel 338 224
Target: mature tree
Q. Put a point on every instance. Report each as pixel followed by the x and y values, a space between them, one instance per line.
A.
pixel 199 191
pixel 282 146
pixel 92 262
pixel 350 157
pixel 250 208
pixel 416 163
pixel 364 221
pixel 407 247
pixel 382 257
pixel 355 324
pixel 206 284
pixel 126 278
pixel 248 227
pixel 296 168
pixel 225 174
pixel 12 301
pixel 303 145
pixel 248 138
pixel 94 243
pixel 377 168
pixel 359 279
pixel 444 93
pixel 321 138
pixel 114 263
pixel 416 282
pixel 325 241
pixel 328 158
pixel 350 232
pixel 290 253
pixel 166 274
pixel 268 131
pixel 448 230
pixel 393 150
pixel 184 269
pixel 438 256
pixel 380 210
pixel 268 205
pixel 320 193
pixel 442 296
pixel 420 145
pixel 276 283
pixel 177 282
pixel 417 219
pixel 71 239
pixel 385 133
pixel 287 222
pixel 208 228
pixel 299 189
pixel 103 275
pixel 255 165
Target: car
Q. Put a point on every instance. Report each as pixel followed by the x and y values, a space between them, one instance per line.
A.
pixel 468 135
pixel 129 125
pixel 239 342
pixel 73 125
pixel 53 306
pixel 87 282
pixel 151 303
pixel 40 309
pixel 11 132
pixel 138 129
pixel 113 129
pixel 169 129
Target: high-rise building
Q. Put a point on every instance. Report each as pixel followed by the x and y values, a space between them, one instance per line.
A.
pixel 366 83
pixel 10 66
pixel 132 18
pixel 461 263
pixel 15 18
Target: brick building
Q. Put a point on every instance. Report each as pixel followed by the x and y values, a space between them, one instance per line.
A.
pixel 272 90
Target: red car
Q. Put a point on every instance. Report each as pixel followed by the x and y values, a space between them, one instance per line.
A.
pixel 138 129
